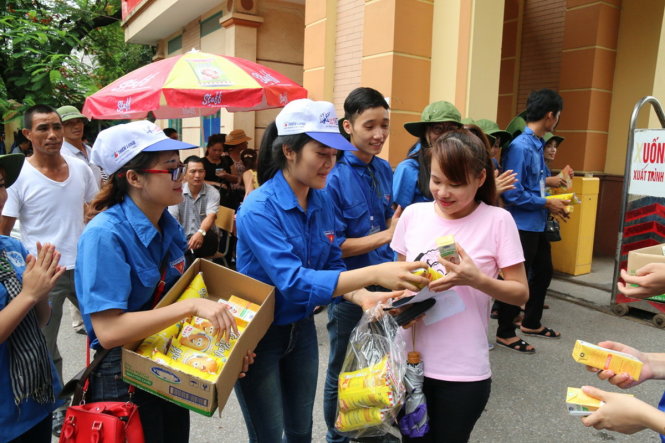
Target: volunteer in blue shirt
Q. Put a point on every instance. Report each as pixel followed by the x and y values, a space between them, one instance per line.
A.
pixel 529 208
pixel 120 259
pixel 411 179
pixel 360 186
pixel 286 238
pixel 29 383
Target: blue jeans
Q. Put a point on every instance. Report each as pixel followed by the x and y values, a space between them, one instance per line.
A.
pixel 277 394
pixel 162 420
pixel 342 318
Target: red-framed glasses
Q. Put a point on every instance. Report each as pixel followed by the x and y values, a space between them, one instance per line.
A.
pixel 176 173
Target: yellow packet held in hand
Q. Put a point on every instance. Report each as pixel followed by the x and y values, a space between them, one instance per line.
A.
pixel 429 273
pixel 159 341
pixel 579 404
pixel 375 375
pixel 358 419
pixel 196 289
pixel 603 358
pixel 448 249
pixel 197 359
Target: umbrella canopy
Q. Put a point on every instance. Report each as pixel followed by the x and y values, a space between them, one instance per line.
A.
pixel 192 85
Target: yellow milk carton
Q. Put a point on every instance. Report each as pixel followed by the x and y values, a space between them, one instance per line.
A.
pixel 603 358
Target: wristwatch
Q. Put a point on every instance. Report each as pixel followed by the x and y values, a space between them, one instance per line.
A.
pixel 202 232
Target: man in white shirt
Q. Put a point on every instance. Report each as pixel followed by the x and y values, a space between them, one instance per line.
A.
pixel 73 124
pixel 48 198
pixel 197 211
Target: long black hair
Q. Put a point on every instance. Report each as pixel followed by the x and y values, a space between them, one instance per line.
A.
pixel 271 155
pixel 423 157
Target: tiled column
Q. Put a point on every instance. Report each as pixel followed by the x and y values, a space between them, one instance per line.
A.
pixel 587 75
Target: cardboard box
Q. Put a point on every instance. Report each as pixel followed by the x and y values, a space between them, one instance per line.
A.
pixel 189 391
pixel 640 257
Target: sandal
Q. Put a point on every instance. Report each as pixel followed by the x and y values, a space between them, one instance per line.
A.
pixel 545 333
pixel 519 346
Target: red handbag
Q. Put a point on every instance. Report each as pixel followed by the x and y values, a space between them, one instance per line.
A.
pixel 104 421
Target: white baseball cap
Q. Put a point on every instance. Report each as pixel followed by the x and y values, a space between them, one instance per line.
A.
pixel 317 119
pixel 117 145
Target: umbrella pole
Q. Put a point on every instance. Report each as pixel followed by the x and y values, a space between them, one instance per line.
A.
pixel 413 357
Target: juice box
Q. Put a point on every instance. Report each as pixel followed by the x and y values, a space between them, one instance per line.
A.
pixel 603 358
pixel 579 404
pixel 447 249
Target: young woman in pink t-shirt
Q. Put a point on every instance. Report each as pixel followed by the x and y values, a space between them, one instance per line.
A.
pixel 454 348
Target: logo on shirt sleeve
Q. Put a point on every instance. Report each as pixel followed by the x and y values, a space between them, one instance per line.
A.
pixel 179 264
pixel 16 259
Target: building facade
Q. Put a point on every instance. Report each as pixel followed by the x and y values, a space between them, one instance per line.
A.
pixel 485 56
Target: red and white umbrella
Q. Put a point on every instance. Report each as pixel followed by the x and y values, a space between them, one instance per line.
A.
pixel 193 85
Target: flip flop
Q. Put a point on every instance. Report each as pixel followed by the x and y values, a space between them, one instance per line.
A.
pixel 519 346
pixel 545 333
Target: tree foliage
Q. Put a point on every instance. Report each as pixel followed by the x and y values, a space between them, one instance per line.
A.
pixel 60 51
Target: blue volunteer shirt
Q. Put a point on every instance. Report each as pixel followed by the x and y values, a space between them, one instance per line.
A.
pixel 17 420
pixel 119 257
pixel 291 249
pixel 362 196
pixel 526 202
pixel 405 184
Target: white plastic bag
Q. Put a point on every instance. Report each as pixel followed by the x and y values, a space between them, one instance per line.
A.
pixel 370 390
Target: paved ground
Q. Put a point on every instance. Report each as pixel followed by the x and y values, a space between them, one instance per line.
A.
pixel 528 391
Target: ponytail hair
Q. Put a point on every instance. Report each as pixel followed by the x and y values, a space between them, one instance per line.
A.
pixel 461 154
pixel 116 187
pixel 423 158
pixel 271 156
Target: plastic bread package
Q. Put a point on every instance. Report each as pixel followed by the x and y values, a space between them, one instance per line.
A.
pixel 159 341
pixel 370 386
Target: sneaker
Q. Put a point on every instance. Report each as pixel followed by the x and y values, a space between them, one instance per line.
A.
pixel 58 421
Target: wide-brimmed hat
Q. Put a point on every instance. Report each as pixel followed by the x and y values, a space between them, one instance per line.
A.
pixel 517 124
pixel 549 136
pixel 236 137
pixel 117 145
pixel 68 112
pixel 493 132
pixel 317 119
pixel 12 164
pixel 437 112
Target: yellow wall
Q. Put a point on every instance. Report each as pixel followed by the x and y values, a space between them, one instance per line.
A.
pixel 484 60
pixel 640 33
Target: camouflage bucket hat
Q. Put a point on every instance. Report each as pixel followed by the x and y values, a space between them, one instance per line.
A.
pixel 437 112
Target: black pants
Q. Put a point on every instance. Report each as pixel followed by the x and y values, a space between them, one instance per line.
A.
pixel 39 433
pixel 538 264
pixel 453 408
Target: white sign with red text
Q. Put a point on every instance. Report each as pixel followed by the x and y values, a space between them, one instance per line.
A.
pixel 647 168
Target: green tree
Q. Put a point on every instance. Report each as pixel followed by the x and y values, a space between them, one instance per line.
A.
pixel 60 51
